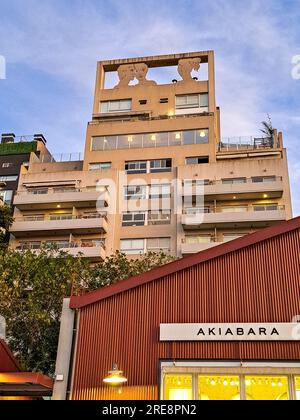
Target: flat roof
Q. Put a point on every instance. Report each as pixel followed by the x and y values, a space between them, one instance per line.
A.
pixel 77 302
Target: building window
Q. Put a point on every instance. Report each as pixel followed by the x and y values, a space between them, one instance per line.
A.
pixel 231 181
pixel 219 388
pixel 158 244
pixel 198 101
pixel 234 209
pixel 160 191
pixel 200 239
pixel 150 140
pixel 132 246
pixel 197 160
pixel 162 165
pixel 134 219
pixel 135 192
pixel 136 167
pixel 227 237
pixel 100 166
pixel 297 387
pixel 123 105
pixel 159 217
pixel 6 197
pixel 263 179
pixel 272 388
pixel 66 216
pixel 237 386
pixel 178 387
pixel 265 207
pixel 9 178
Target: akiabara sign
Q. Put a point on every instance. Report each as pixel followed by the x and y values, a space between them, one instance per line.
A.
pixel 230 332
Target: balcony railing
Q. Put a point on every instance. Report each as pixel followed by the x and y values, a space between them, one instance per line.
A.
pixel 61 245
pixel 252 180
pixel 247 142
pixel 60 158
pixel 190 211
pixel 57 190
pixel 41 218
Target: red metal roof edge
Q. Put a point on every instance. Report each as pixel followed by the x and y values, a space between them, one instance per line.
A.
pixel 9 354
pixel 27 378
pixel 77 302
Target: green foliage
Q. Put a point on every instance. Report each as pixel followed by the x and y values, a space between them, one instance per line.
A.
pixel 6 220
pixel 32 289
pixel 18 148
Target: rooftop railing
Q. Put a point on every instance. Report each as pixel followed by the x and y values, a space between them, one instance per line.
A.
pixel 57 190
pixel 247 142
pixel 60 158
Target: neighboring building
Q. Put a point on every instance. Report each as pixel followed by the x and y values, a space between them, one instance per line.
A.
pixel 18 385
pixel 16 152
pixel 174 184
pixel 221 324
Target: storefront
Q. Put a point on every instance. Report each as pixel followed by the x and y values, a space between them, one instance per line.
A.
pixel 222 324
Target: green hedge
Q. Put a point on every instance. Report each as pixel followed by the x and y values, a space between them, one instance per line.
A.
pixel 18 148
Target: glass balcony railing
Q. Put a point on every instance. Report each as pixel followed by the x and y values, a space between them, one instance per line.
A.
pixel 190 211
pixel 61 245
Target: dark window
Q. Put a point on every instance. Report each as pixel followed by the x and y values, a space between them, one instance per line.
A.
pixel 164 101
pixel 136 167
pixel 197 160
pixel 162 165
pixel 143 101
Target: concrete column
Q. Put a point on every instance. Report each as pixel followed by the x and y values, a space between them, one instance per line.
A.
pixel 64 352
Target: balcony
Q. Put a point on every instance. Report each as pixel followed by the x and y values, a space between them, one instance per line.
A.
pixel 241 216
pixel 42 226
pixel 51 197
pixel 250 189
pixel 94 249
pixel 189 248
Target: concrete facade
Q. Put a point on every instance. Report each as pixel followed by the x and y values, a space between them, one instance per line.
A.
pixel 142 136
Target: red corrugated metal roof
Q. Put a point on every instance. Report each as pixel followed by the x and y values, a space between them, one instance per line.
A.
pixel 8 362
pixel 187 262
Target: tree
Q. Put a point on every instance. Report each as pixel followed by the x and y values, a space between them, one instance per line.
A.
pixel 268 129
pixel 6 220
pixel 32 289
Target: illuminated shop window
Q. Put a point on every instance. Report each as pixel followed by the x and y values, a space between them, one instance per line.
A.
pixel 297 386
pixel 219 388
pixel 178 387
pixel 267 387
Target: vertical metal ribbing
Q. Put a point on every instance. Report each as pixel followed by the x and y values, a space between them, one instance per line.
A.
pixel 260 283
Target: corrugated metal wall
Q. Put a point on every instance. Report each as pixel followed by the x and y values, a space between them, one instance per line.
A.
pixel 260 283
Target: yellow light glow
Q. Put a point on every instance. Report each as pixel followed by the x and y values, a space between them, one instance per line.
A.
pixel 217 388
pixel 267 388
pixel 130 139
pixel 153 138
pixel 58 206
pixel 171 113
pixel 234 197
pixel 115 377
pixel 105 141
pixel 178 136
pixel 202 134
pixel 266 196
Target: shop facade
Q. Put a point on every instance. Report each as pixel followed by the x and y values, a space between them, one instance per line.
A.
pixel 221 324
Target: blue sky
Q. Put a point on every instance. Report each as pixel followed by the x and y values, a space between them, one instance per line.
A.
pixel 52 46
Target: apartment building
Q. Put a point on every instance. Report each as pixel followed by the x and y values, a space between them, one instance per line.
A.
pixel 156 173
pixel 15 152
